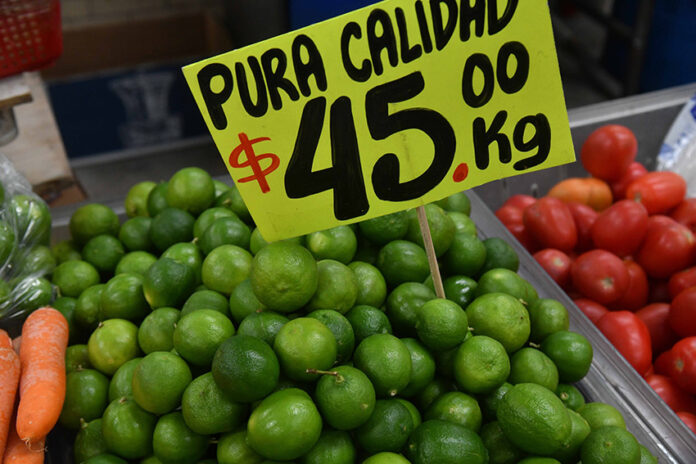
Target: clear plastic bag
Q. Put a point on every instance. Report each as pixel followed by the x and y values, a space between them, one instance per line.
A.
pixel 678 152
pixel 25 258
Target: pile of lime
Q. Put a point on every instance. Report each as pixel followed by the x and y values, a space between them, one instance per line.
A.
pixel 196 341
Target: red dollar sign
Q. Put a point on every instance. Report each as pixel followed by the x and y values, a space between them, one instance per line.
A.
pixel 252 160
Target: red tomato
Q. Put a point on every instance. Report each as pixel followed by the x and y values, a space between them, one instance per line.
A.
pixel 609 151
pixel 636 295
pixel 685 213
pixel 635 171
pixel 649 372
pixel 681 281
pixel 659 220
pixel 689 419
pixel 682 368
pixel 630 337
pixel 663 363
pixel 659 292
pixel 556 264
pixel 522 235
pixel 666 250
pixel 549 221
pixel 655 317
pixel 600 276
pixel 676 398
pixel 593 310
pixel 584 218
pixel 520 201
pixel 509 215
pixel 658 191
pixel 682 316
pixel 621 228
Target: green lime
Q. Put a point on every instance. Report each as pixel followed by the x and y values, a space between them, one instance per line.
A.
pixel 207 410
pixel 570 396
pixel 546 317
pixel 571 352
pixel 530 365
pixel 156 332
pixel 302 345
pixel 458 202
pixel 534 419
pixel 36 260
pixel 63 251
pixel 501 317
pixel 499 254
pixel 366 252
pixel 233 448
pixel 460 289
pixel 338 244
pixel 387 428
pixel 73 277
pixel 445 361
pixel 225 231
pixel 415 414
pixel 7 242
pixel 168 283
pixel 284 426
pixel 610 444
pixel 441 228
pixel 481 365
pixel 243 302
pixel 89 441
pixel 85 397
pixel 198 335
pixel 403 304
pixel 341 329
pixel 445 443
pixel 539 460
pixel 501 280
pixel 500 449
pixel 121 385
pixel 441 324
pixel 157 199
pixel 386 458
pixel 205 299
pixel 345 397
pixel 382 230
pixel 191 189
pixel 220 188
pixel 465 256
pixel 233 201
pixel 32 293
pixel 601 415
pixel 337 287
pixel 458 408
pixel 432 391
pixel 264 325
pixel 91 220
pixel 171 226
pixel 174 442
pixel 188 254
pixel 256 242
pixel 491 401
pixel 6 290
pixel 422 367
pixel 372 288
pixel 136 199
pixel 333 446
pixel 103 252
pixel 159 381
pixel 122 298
pixel 105 458
pixel 401 261
pixel 66 306
pixel 366 321
pixel 135 262
pixel 209 216
pixel 386 361
pixel 646 457
pixel 463 224
pixel 31 219
pixel 284 276
pixel 128 429
pixel 579 431
pixel 76 358
pixel 245 368
pixel 111 344
pixel 135 234
pixel 225 267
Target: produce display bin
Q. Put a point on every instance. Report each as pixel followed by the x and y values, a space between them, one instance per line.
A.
pixel 610 379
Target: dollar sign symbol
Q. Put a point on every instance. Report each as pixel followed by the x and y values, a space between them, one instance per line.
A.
pixel 246 146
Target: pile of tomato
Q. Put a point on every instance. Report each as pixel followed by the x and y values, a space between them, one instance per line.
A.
pixel 621 243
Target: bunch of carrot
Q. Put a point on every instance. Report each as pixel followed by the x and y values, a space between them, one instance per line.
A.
pixel 36 368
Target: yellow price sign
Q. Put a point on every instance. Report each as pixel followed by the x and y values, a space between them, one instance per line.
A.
pixel 385 108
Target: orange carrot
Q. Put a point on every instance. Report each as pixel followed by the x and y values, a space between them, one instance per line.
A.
pixel 18 452
pixel 9 379
pixel 5 340
pixel 16 343
pixel 42 383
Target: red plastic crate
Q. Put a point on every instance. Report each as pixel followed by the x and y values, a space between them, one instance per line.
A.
pixel 30 35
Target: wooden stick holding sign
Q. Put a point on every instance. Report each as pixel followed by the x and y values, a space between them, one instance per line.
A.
pixel 430 251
